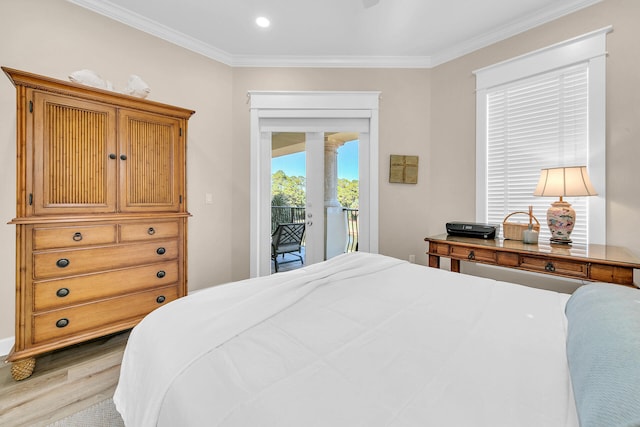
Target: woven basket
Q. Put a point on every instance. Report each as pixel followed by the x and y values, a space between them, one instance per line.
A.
pixel 513 230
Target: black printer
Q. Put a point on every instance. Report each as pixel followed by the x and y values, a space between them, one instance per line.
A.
pixel 473 229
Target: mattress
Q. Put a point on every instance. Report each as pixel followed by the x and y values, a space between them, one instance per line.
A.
pixel 359 340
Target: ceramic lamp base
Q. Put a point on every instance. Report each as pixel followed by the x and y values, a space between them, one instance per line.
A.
pixel 561 218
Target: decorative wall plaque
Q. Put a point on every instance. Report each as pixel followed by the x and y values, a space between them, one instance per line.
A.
pixel 403 169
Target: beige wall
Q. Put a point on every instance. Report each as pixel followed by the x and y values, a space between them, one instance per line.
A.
pixel 429 113
pixel 453 122
pixel 54 38
pixel 404 129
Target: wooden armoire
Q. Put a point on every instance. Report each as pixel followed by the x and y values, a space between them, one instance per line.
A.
pixel 101 216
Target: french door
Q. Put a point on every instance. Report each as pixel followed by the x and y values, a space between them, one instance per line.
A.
pixel 312 113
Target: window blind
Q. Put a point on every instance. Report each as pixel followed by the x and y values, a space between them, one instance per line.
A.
pixel 536 123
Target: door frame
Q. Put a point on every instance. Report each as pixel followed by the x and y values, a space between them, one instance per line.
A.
pixel 297 111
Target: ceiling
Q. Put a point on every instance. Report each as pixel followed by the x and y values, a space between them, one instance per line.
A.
pixel 334 33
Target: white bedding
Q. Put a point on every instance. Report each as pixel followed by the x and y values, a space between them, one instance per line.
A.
pixel 360 340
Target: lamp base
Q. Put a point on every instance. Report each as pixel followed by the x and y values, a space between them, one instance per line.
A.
pixel 561 218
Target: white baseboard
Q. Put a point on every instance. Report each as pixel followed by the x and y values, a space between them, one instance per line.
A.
pixel 5 345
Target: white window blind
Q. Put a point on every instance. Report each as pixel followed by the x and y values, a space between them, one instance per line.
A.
pixel 536 123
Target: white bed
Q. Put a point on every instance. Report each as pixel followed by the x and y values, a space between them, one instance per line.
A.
pixel 359 340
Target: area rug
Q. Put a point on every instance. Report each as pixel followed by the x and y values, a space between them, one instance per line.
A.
pixel 102 414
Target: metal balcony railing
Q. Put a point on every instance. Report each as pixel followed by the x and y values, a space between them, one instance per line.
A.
pixel 352 229
pixel 285 214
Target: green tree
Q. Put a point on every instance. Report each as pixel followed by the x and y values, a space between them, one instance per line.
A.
pixel 288 190
pixel 348 193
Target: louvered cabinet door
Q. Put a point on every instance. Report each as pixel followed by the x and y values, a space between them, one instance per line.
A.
pixel 74 143
pixel 151 162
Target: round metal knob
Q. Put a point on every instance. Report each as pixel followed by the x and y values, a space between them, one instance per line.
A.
pixel 62 292
pixel 77 236
pixel 161 251
pixel 151 231
pixel 160 274
pixel 62 262
pixel 112 156
pixel 160 299
pixel 123 157
pixel 61 323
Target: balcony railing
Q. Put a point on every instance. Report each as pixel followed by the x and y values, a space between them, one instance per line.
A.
pixel 352 229
pixel 285 214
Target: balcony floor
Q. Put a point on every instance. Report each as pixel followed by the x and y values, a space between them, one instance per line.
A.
pixel 288 265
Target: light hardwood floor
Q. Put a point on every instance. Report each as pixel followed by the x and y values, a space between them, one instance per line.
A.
pixel 64 382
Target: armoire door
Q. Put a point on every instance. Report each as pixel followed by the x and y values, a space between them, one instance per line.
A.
pixel 74 170
pixel 150 163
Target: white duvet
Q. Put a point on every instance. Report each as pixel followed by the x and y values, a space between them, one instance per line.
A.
pixel 360 340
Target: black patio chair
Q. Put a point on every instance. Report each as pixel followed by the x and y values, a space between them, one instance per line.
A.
pixel 287 239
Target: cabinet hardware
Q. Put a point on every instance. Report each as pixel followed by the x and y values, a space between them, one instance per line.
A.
pixel 77 236
pixel 160 299
pixel 62 262
pixel 112 156
pixel 471 256
pixel 31 106
pixel 123 157
pixel 62 292
pixel 30 199
pixel 160 274
pixel 61 323
pixel 550 267
pixel 161 251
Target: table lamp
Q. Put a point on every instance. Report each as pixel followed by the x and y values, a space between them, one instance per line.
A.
pixel 563 182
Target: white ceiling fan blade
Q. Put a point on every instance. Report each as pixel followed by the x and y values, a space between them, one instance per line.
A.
pixel 370 3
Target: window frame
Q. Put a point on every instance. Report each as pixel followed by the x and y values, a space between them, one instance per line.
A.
pixel 588 48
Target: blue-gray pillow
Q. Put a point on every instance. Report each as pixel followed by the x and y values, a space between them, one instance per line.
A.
pixel 603 350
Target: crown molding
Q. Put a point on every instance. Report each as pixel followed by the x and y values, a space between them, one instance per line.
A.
pixel 507 31
pixel 149 26
pixel 139 22
pixel 333 61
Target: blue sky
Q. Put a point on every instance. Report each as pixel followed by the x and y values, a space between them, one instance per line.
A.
pixel 294 164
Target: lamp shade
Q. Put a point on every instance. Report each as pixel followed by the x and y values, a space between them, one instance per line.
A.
pixel 565 182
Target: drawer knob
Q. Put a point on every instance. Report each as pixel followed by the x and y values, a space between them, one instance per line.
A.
pixel 161 251
pixel 61 323
pixel 151 231
pixel 62 262
pixel 62 292
pixel 160 299
pixel 112 156
pixel 123 157
pixel 550 267
pixel 471 256
pixel 77 236
pixel 160 274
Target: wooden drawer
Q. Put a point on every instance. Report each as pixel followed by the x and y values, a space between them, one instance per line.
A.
pixel 438 248
pixel 560 267
pixel 473 254
pixel 75 290
pixel 64 237
pixel 611 273
pixel 53 264
pixel 148 230
pixel 64 323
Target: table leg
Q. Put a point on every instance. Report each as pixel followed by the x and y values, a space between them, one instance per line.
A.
pixel 434 261
pixel 455 265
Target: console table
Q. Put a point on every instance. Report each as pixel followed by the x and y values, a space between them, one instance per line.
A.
pixel 601 263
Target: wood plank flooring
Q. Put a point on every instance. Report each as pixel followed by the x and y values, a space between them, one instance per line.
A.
pixel 64 382
pixel 67 380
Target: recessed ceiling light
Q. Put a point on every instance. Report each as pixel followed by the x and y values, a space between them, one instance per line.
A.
pixel 262 22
